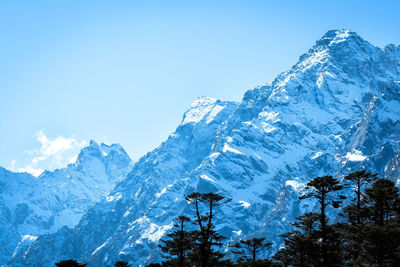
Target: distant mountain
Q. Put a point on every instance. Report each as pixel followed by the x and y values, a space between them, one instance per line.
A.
pixel 32 206
pixel 336 110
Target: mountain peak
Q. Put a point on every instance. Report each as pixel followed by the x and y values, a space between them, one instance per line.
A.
pixel 203 101
pixel 333 37
pixel 94 150
pixel 93 143
pixel 106 149
pixel 205 109
pixel 200 107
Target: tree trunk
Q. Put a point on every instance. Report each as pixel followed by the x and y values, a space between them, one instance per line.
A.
pixel 323 231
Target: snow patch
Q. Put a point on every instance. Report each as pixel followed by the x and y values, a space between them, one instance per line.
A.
pixel 270 116
pixel 295 185
pixel 341 36
pixel 25 242
pixel 268 127
pixel 214 112
pixel 99 248
pixel 214 155
pixel 230 149
pixel 205 177
pixel 355 156
pixel 317 155
pixel 114 197
pixel 315 59
pixel 161 193
pixel 29 237
pixel 239 232
pixel 320 80
pixel 155 232
pixel 244 204
pixel 338 137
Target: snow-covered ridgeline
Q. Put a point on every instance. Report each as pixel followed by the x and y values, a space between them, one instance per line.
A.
pixel 31 206
pixel 334 111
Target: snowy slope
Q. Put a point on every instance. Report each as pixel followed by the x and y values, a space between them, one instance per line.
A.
pixel 31 206
pixel 336 110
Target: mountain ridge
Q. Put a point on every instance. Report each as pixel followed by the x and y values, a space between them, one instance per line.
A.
pixel 334 111
pixel 32 206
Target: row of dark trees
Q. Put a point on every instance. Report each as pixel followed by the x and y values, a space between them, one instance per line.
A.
pixel 74 263
pixel 367 234
pixel 202 246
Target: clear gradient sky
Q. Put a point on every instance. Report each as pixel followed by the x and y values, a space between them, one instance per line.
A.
pixel 125 71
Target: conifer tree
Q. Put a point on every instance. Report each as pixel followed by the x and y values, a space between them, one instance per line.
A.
pixel 122 264
pixel 180 242
pixel 321 189
pixel 283 256
pixel 206 237
pixel 375 215
pixel 70 263
pixel 383 202
pixel 357 180
pixel 301 246
pixel 352 233
pixel 381 242
pixel 252 246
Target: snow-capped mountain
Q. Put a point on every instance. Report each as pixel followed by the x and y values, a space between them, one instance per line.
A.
pixel 336 110
pixel 32 206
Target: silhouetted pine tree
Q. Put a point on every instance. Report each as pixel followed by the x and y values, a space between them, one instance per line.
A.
pixel 70 263
pixel 179 244
pixel 381 243
pixel 203 253
pixel 371 234
pixel 352 232
pixel 283 256
pixel 256 263
pixel 321 189
pixel 301 246
pixel 357 180
pixel 252 247
pixel 122 264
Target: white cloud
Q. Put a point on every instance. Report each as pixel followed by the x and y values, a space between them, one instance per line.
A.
pixel 34 171
pixel 52 154
pixel 13 162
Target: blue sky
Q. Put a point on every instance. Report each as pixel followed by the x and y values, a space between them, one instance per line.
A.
pixel 125 71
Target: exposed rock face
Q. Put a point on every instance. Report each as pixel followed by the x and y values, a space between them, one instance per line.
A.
pixel 336 110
